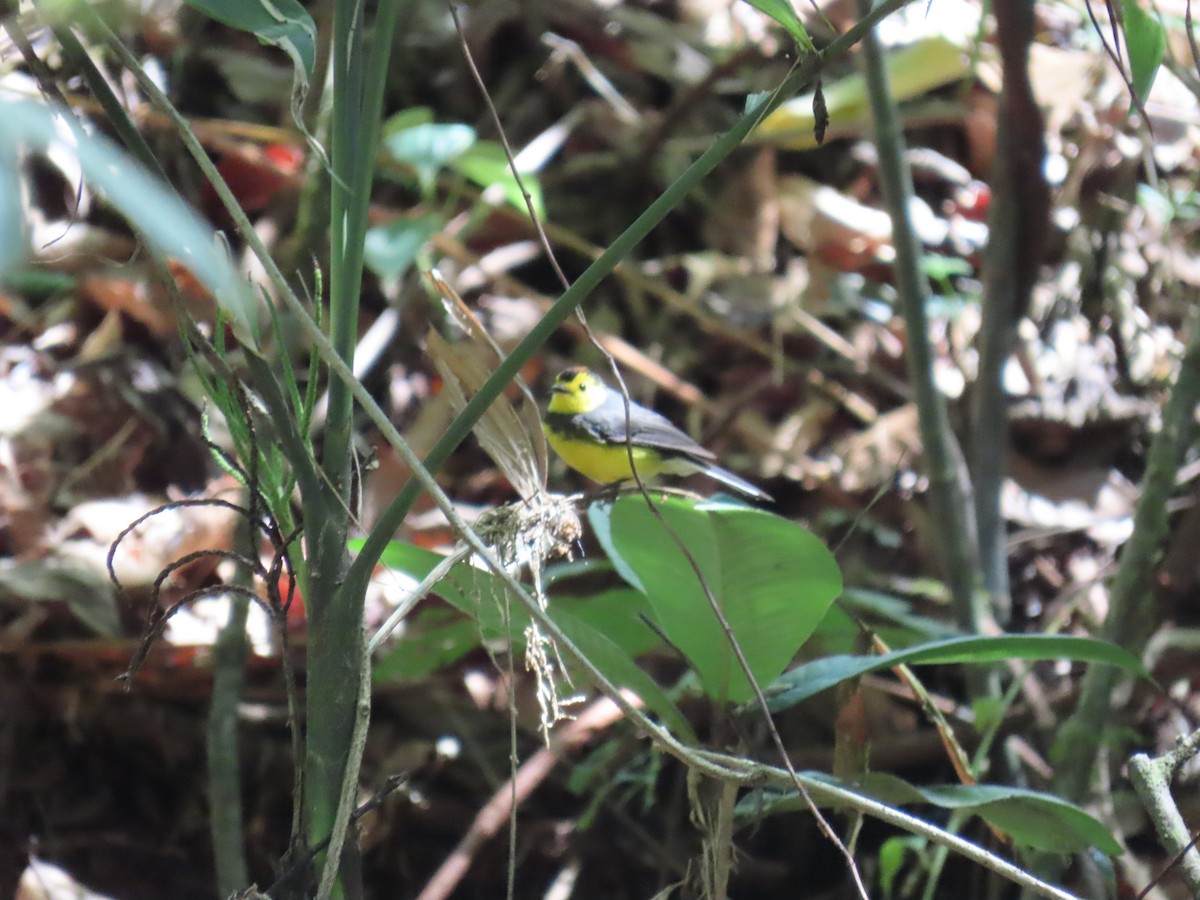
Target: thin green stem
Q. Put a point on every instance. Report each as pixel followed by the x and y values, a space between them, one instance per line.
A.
pixel 336 642
pixel 949 481
pixel 1131 615
pixel 224 767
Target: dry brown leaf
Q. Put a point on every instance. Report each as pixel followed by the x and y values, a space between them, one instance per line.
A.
pixel 872 457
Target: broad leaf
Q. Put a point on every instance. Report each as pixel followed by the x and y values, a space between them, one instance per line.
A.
pixel 428 147
pixel 390 249
pixel 486 164
pixel 773 580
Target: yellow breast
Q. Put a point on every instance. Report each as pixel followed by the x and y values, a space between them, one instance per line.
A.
pixel 605 463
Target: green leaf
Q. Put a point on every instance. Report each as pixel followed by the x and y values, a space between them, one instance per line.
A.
pixel 486 164
pixel 620 668
pixel 1147 44
pixel 164 222
pixel 1033 819
pixel 773 580
pixel 427 147
pixel 814 677
pixel 893 853
pixel 280 23
pixel 889 616
pixel 407 118
pixel 432 642
pixel 1037 820
pixel 783 13
pixel 617 614
pixel 390 249
pixel 479 595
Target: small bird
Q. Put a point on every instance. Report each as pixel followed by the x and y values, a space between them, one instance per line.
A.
pixel 585 425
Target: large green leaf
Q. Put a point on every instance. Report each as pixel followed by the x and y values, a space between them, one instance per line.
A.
pixel 163 220
pixel 773 580
pixel 620 668
pixel 1036 820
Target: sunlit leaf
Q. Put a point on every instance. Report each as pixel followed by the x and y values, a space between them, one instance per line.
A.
pixel 773 580
pixel 486 164
pixel 390 249
pixel 429 147
pixel 914 70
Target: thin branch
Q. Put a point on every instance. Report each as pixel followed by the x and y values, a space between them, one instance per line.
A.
pixel 1152 780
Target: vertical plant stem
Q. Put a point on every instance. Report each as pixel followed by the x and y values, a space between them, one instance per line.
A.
pixel 1016 230
pixel 1131 615
pixel 336 650
pixel 224 771
pixel 338 850
pixel 949 481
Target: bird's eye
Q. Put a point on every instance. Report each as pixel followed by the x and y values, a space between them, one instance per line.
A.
pixel 582 388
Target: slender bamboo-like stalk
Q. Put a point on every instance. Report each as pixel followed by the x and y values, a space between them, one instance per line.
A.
pixel 336 649
pixel 224 765
pixel 949 482
pixel 1131 614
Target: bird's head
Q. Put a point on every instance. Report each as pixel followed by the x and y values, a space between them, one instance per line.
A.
pixel 577 390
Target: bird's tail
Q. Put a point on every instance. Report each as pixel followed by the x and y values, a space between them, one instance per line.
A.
pixel 740 485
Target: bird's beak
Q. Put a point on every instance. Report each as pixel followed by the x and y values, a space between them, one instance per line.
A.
pixel 557 388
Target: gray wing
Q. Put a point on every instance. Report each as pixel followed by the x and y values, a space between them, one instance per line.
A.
pixel 648 428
